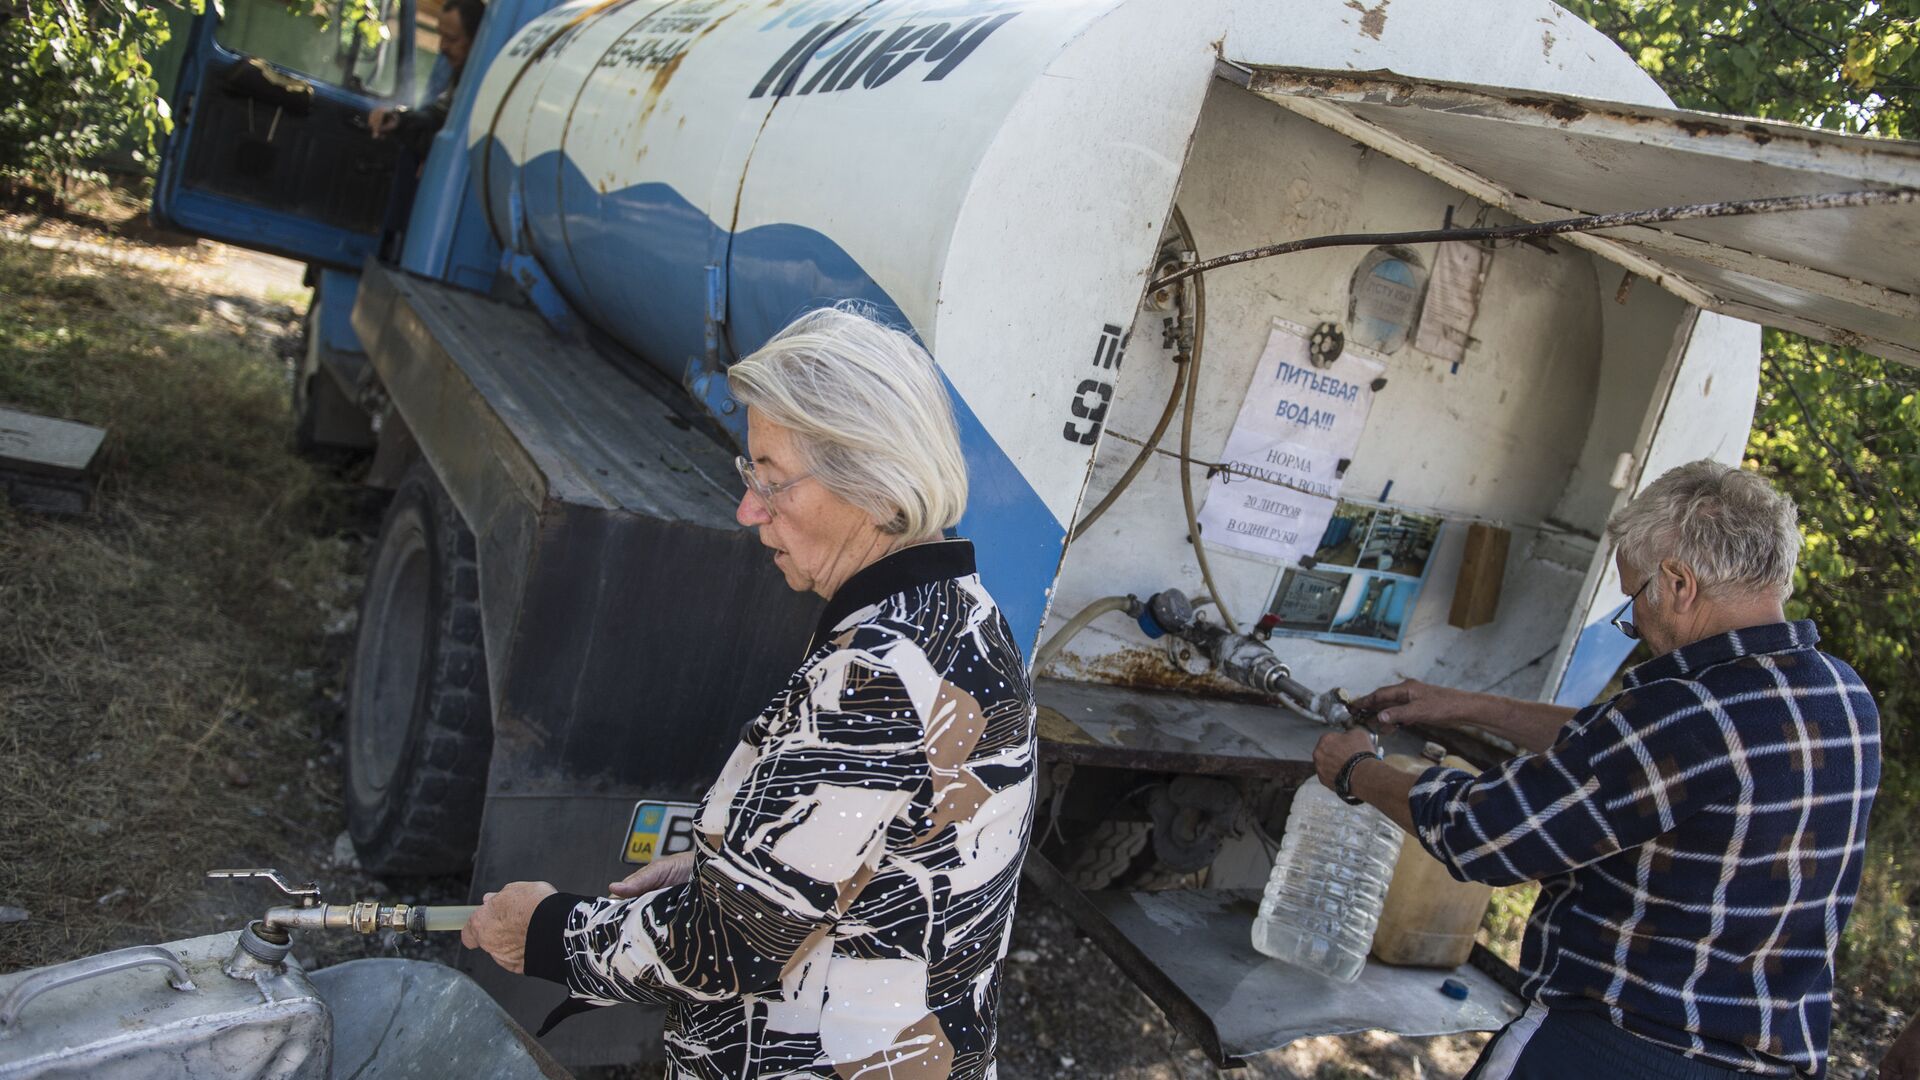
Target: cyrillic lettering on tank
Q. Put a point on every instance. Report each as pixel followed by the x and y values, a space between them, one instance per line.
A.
pixel 828 77
pixel 959 44
pixel 893 56
pixel 777 77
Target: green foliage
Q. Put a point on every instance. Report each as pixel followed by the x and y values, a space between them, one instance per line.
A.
pixel 1852 65
pixel 1841 432
pixel 1838 429
pixel 78 81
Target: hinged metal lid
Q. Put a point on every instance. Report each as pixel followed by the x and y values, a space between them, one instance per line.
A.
pixel 1846 276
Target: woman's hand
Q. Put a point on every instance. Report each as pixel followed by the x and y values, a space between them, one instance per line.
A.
pixel 658 874
pixel 500 926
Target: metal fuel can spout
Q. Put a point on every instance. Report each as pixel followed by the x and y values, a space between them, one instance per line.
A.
pixel 266 941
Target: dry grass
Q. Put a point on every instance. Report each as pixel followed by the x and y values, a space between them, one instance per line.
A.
pixel 159 657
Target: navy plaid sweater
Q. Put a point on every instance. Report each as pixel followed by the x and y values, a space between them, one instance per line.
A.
pixel 1698 839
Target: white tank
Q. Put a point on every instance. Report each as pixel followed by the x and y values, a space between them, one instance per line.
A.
pixel 999 175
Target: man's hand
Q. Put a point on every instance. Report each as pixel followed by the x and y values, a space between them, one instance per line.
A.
pixel 384 119
pixel 1335 749
pixel 1382 787
pixel 658 874
pixel 500 926
pixel 1414 702
pixel 1531 725
pixel 1903 1057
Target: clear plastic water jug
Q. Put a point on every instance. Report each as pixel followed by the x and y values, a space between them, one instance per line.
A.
pixel 1322 901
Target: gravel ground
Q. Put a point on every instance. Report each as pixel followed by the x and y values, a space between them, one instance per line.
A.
pixel 1067 1011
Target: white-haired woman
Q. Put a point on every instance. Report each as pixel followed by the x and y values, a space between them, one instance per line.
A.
pixel 846 908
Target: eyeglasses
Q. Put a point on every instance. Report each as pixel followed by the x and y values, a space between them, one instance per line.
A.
pixel 1624 625
pixel 763 490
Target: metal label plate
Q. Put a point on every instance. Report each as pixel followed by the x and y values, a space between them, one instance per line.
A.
pixel 659 829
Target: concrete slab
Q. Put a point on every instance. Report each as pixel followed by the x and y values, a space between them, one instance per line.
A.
pixel 44 445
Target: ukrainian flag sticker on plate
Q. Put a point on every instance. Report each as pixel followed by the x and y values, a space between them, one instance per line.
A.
pixel 659 829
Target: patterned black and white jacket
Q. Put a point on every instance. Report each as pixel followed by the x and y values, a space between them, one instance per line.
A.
pixel 856 861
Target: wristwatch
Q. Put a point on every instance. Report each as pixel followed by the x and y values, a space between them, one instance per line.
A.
pixel 1343 780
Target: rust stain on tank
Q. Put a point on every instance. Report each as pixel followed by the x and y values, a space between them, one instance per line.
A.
pixel 1149 669
pixel 1564 111
pixel 663 74
pixel 1373 20
pixel 1056 728
pixel 1702 127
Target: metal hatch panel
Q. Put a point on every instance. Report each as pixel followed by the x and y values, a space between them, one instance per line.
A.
pixel 1844 276
pixel 1190 950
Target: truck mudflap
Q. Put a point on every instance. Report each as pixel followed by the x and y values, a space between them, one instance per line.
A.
pixel 631 627
pixel 1190 950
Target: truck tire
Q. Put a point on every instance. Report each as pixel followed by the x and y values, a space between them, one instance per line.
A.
pixel 1108 850
pixel 419 726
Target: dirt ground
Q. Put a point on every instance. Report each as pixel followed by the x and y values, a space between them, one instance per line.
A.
pixel 172 666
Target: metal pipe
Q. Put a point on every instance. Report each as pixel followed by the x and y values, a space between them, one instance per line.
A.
pixel 1186 455
pixel 367 916
pixel 1776 204
pixel 364 916
pixel 1053 645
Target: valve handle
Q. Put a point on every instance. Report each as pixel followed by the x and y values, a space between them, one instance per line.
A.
pixel 306 895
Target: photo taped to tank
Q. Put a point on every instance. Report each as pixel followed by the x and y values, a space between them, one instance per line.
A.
pixel 1363 580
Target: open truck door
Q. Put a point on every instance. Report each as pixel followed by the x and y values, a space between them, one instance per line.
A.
pixel 1841 276
pixel 271 148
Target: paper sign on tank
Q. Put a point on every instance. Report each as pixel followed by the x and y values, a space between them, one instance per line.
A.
pixel 1296 431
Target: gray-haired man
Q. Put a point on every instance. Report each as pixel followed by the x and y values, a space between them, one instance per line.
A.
pixel 1698 837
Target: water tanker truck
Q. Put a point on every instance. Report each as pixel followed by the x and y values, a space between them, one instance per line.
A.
pixel 1207 497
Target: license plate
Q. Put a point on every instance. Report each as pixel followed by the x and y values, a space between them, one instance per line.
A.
pixel 659 829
